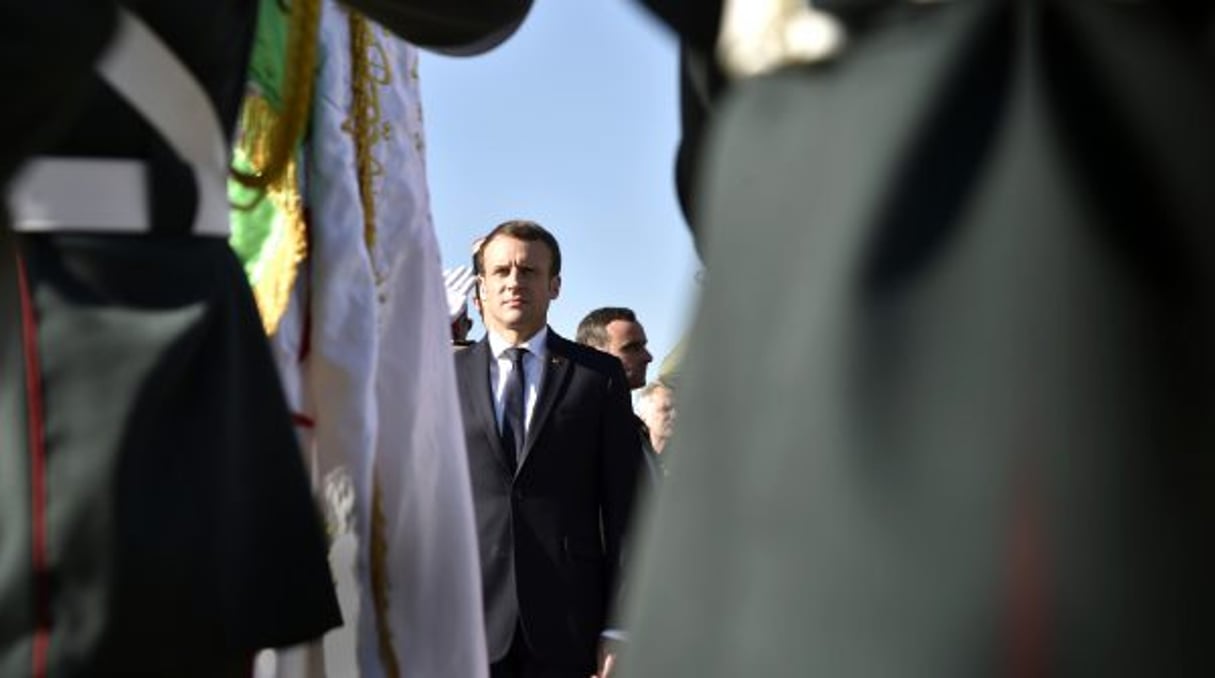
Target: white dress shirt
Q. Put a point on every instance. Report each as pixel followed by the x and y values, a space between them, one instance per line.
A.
pixel 533 369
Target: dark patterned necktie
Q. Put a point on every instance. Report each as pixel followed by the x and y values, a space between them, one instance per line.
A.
pixel 513 414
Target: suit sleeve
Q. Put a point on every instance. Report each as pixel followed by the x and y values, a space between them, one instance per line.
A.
pixel 457 27
pixel 621 462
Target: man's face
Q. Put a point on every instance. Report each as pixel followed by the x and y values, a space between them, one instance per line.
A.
pixel 516 286
pixel 658 413
pixel 626 340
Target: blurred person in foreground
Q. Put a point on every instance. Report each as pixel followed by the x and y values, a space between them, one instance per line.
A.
pixel 155 513
pixel 553 457
pixel 978 438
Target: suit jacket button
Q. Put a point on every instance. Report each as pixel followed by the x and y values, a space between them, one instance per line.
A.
pixel 519 495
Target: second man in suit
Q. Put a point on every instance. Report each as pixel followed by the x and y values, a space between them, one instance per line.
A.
pixel 553 457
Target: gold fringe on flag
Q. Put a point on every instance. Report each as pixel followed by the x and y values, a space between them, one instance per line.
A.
pixel 269 140
pixel 287 244
pixel 279 140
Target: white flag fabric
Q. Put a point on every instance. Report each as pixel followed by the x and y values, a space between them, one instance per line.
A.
pixel 375 383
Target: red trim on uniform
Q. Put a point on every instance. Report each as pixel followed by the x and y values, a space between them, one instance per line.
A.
pixel 1028 609
pixel 302 420
pixel 37 450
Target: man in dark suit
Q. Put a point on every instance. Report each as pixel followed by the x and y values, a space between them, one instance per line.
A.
pixel 553 457
pixel 616 331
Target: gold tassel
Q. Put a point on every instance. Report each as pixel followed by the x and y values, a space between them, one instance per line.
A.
pixel 282 138
pixel 270 139
pixel 288 244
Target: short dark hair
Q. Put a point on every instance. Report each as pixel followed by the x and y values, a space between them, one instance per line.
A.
pixel 592 331
pixel 520 229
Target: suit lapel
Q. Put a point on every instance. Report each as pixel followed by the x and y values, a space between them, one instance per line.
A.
pixel 476 373
pixel 556 372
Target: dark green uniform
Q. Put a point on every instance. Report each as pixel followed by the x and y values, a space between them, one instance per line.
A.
pixel 949 400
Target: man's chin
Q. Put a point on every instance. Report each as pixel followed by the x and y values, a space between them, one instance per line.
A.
pixel 522 324
pixel 512 320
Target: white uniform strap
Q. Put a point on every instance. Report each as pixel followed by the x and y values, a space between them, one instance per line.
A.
pixel 110 195
pixel 153 80
pixel 104 195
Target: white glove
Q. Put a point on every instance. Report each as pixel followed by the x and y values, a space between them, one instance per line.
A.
pixel 458 282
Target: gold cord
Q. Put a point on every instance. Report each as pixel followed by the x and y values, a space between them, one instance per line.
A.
pixel 361 98
pixel 364 127
pixel 379 583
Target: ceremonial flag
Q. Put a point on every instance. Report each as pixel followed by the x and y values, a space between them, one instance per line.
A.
pixel 363 347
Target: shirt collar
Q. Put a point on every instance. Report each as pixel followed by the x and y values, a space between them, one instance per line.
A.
pixel 535 345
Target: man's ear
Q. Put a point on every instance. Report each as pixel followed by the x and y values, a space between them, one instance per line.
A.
pixel 554 287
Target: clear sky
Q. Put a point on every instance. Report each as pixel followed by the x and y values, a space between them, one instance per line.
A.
pixel 573 123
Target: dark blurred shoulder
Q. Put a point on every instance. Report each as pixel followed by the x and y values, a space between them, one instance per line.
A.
pixel 47 51
pixel 696 21
pixel 451 26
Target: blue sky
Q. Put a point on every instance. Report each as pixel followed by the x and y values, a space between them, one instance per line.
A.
pixel 573 123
